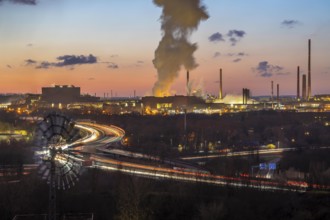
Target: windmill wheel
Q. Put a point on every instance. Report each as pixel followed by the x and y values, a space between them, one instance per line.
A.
pixel 57 165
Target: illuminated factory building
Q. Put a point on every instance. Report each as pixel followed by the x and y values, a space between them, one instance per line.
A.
pixel 171 104
pixel 66 97
pixel 60 94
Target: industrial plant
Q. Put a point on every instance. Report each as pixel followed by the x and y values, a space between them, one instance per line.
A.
pixel 164 109
pixel 69 97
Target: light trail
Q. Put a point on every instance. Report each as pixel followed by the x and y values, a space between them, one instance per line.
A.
pixel 101 138
pixel 216 180
pixel 167 173
pixel 240 153
pixel 246 153
pixel 94 134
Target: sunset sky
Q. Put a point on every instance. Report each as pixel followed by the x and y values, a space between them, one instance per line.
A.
pixel 104 45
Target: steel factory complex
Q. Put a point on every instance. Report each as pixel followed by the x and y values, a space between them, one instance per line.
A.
pixel 69 97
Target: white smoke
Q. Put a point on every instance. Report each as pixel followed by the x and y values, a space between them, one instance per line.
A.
pixel 234 99
pixel 197 88
pixel 179 19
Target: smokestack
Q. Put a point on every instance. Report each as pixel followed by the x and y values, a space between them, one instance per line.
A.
pixel 304 87
pixel 272 94
pixel 243 96
pixel 309 94
pixel 298 83
pixel 220 82
pixel 187 87
pixel 278 95
pixel 185 128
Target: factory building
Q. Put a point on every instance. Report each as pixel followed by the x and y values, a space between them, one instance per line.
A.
pixel 60 94
pixel 171 104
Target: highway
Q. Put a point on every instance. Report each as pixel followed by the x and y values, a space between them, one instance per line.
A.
pixel 101 148
pixel 240 153
pixel 100 136
pixel 103 140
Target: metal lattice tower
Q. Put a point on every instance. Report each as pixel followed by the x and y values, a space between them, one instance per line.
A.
pixel 57 164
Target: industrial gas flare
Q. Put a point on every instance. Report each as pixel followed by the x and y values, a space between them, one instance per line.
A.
pixel 179 19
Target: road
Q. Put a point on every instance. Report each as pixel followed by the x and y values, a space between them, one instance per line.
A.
pixel 240 153
pixel 100 137
pixel 103 140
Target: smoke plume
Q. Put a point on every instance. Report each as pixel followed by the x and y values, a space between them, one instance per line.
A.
pixel 179 19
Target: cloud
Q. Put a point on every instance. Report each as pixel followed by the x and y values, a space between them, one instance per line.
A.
pixel 237 60
pixel 9 66
pixel 236 33
pixel 140 62
pixel 216 54
pixel 65 60
pixel 264 69
pixel 75 60
pixel 216 37
pixel 29 62
pixel 29 45
pixel 91 78
pixel 238 55
pixel 23 2
pixel 44 65
pixel 235 36
pixel 290 23
pixel 114 55
pixel 113 66
pixel 242 54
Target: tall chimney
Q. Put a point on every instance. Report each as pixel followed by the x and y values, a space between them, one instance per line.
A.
pixel 309 93
pixel 272 94
pixel 220 84
pixel 187 86
pixel 298 83
pixel 244 96
pixel 304 87
pixel 278 95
